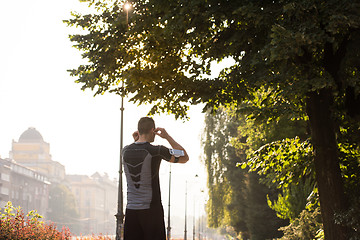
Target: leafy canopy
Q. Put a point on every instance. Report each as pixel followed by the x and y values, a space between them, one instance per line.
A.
pixel 163 56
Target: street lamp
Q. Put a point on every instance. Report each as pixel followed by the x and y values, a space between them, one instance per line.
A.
pixel 120 211
pixel 194 214
pixel 200 216
pixel 127 7
pixel 185 231
pixel 169 227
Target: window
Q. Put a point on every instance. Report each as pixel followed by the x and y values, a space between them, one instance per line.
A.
pixel 4 191
pixel 5 177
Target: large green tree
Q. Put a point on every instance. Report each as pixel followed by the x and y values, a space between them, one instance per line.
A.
pixel 300 51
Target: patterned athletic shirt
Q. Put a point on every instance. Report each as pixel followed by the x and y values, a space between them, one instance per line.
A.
pixel 141 165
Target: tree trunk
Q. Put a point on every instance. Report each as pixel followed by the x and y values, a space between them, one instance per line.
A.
pixel 328 174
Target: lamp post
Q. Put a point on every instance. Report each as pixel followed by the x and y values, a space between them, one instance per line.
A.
pixel 127 7
pixel 196 176
pixel 120 211
pixel 169 226
pixel 200 216
pixel 185 231
pixel 199 226
pixel 194 221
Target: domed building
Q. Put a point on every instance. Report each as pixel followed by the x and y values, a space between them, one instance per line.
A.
pixel 33 152
pixel 31 135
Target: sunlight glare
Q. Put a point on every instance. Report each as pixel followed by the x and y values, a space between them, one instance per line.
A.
pixel 127 6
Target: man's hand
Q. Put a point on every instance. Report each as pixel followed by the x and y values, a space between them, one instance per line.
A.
pixel 136 135
pixel 161 132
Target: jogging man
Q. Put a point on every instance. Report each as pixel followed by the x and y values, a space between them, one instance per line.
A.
pixel 144 216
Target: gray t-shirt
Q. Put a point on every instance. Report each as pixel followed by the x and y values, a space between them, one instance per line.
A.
pixel 141 165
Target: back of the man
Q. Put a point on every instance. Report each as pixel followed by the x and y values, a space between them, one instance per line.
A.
pixel 144 216
pixel 141 165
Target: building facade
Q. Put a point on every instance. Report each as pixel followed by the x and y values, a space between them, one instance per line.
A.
pixel 96 198
pixel 24 187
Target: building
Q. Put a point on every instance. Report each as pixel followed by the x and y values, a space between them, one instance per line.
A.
pixel 23 187
pixel 96 198
pixel 30 175
pixel 5 185
pixel 33 152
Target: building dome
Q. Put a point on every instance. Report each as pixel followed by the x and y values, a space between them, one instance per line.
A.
pixel 31 135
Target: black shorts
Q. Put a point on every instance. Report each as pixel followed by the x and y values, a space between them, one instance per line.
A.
pixel 146 224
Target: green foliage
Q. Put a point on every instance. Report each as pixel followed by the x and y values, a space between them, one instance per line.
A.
pixel 307 226
pixel 283 162
pixel 164 56
pixel 349 155
pixel 218 158
pixel 291 201
pixel 350 166
pixel 261 220
pixel 236 199
pixel 288 165
pixel 15 225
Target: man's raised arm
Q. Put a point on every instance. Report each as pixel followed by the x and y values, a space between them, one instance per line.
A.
pixel 161 132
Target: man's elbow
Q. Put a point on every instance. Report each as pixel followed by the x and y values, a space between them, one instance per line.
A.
pixel 185 159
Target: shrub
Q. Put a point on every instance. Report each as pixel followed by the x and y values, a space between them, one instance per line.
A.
pixel 307 226
pixel 14 224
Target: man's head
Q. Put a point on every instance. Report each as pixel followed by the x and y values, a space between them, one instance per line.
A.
pixel 146 127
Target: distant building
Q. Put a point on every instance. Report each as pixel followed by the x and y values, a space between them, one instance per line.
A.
pixel 23 187
pixel 96 198
pixel 26 176
pixel 5 185
pixel 33 152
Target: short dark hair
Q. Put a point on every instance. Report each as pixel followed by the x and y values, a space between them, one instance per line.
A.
pixel 145 125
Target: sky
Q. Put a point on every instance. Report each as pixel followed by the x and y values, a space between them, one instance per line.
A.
pixel 83 131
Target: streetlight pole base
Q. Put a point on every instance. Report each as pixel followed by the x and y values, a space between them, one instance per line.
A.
pixel 119 226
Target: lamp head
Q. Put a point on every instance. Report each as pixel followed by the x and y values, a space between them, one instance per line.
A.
pixel 127 6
